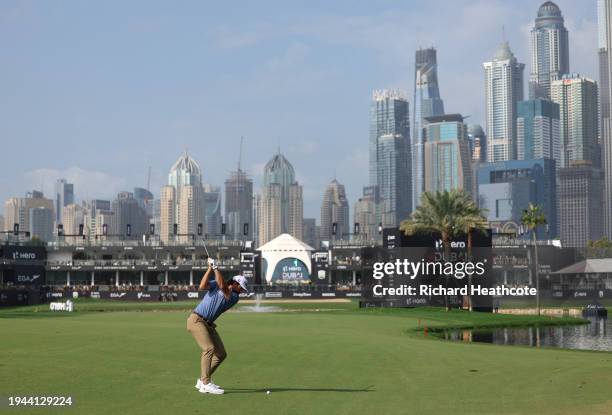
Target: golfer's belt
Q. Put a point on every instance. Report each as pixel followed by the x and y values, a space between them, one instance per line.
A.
pixel 210 323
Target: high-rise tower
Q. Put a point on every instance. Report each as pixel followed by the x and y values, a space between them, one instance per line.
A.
pixel 280 205
pixel 605 97
pixel 549 50
pixel 427 103
pixel 390 156
pixel 182 200
pixel 334 210
pixel 239 203
pixel 503 89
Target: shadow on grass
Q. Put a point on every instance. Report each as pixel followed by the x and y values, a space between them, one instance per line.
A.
pixel 254 390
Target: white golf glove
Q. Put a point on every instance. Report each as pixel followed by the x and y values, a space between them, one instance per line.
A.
pixel 211 263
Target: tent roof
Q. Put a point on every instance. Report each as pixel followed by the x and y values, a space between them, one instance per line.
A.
pixel 285 242
pixel 588 266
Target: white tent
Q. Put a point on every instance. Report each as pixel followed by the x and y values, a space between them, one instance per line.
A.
pixel 282 247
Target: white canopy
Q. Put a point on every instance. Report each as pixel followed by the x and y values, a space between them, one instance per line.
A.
pixel 282 247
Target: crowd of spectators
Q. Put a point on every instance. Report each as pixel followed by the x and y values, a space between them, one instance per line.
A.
pixel 178 261
pixel 182 287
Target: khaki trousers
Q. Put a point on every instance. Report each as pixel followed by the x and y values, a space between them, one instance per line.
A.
pixel 213 350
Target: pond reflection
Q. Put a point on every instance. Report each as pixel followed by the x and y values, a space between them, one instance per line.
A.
pixel 597 335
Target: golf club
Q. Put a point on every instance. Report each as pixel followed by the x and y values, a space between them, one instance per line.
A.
pixel 206 249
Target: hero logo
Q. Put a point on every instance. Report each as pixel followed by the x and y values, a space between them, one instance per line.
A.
pixel 192 295
pixel 24 255
pixel 116 295
pixel 27 278
pixel 94 294
pixel 144 295
pixel 580 294
pixel 453 244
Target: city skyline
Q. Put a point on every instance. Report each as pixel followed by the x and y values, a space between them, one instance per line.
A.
pixel 95 102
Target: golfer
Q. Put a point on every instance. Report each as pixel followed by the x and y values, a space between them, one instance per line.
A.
pixel 221 296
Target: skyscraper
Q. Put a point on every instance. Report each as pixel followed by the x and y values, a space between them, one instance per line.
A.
pixel 478 148
pixel 577 99
pixel 309 234
pixel 478 142
pixel 167 213
pixel 394 181
pixel 145 198
pixel 334 210
pixel 538 131
pixel 156 216
pixel 92 208
pixel 239 205
pixel 212 213
pixel 390 156
pixel 447 156
pixel 580 204
pixel 182 200
pixel 104 219
pixel 503 89
pixel 605 97
pixel 280 204
pixel 427 103
pixel 64 195
pixel 17 209
pixel 296 210
pixel 130 217
pixel 72 217
pixel 41 223
pixel 365 213
pixel 506 188
pixel 549 50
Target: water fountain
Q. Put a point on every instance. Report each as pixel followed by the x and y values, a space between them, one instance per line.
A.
pixel 258 308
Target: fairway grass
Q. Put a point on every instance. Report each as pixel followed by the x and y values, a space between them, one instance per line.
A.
pixel 342 361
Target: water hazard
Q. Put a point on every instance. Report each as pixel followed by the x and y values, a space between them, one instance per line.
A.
pixel 597 335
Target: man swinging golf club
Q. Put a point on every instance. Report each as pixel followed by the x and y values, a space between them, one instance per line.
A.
pixel 221 296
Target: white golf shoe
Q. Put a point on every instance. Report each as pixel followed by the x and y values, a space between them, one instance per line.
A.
pixel 199 384
pixel 212 389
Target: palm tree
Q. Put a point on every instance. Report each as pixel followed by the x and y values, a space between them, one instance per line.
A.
pixel 532 217
pixel 446 213
pixel 472 222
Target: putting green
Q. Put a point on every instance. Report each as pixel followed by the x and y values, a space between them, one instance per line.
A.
pixel 335 362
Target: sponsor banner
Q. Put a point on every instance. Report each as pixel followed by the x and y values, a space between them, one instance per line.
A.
pixel 55 295
pixel 23 253
pixel 67 306
pixel 274 294
pixel 192 295
pixel 353 294
pixel 290 269
pixel 302 295
pixel 28 275
pixel 590 294
pixel 146 296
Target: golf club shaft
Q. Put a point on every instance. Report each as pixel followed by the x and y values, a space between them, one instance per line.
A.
pixel 206 249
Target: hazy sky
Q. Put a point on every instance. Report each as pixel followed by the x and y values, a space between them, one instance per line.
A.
pixel 98 91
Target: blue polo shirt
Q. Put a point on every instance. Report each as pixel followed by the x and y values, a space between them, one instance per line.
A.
pixel 214 302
